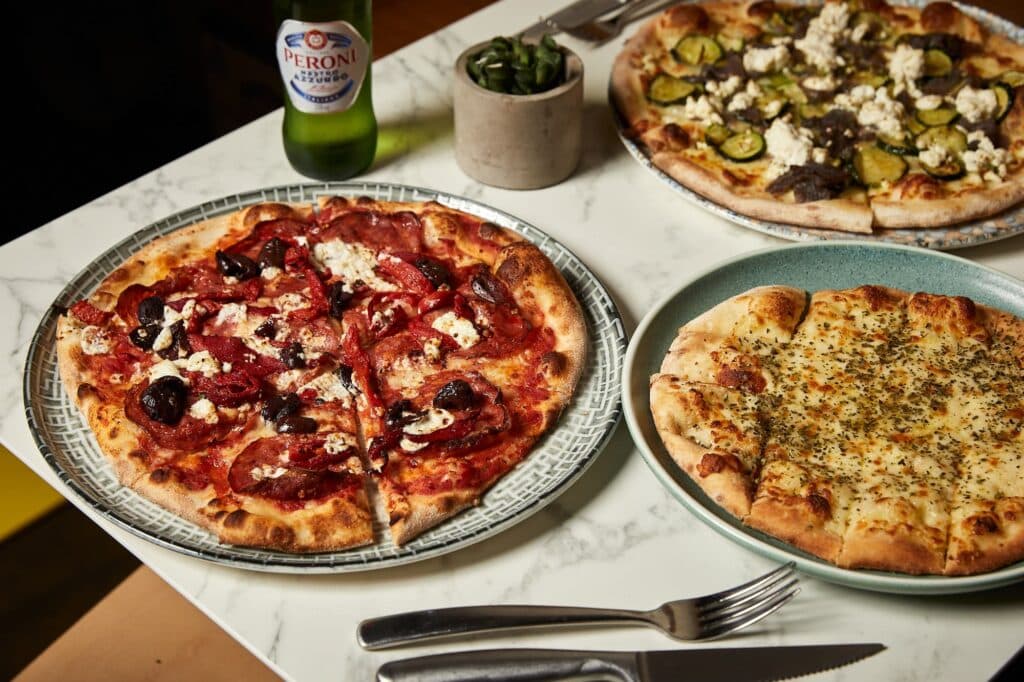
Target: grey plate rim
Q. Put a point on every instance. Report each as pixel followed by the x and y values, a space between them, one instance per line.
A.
pixel 233 556
pixel 923 237
pixel 636 407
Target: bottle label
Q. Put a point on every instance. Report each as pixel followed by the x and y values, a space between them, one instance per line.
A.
pixel 322 64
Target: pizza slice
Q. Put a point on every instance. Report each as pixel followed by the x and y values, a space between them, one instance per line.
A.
pixel 899 519
pixel 714 434
pixel 732 344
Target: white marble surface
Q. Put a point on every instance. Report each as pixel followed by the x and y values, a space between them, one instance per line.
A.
pixel 616 538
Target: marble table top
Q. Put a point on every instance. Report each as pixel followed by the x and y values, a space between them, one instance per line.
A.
pixel 616 538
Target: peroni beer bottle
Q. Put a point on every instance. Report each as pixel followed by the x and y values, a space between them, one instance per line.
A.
pixel 323 49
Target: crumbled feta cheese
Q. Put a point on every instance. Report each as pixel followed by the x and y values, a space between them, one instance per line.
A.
pixel 701 109
pixel 882 113
pixel 934 156
pixel 204 410
pixel 818 44
pixel 261 346
pixel 859 31
pixel 171 315
pixel 786 146
pixel 352 262
pixel 434 419
pixel 336 443
pixel 765 59
pixel 329 387
pixel 819 155
pixel 94 341
pixel 459 328
pixel 826 82
pixel 432 349
pixel 270 272
pixel 228 279
pixel 906 64
pixel 163 340
pixel 411 445
pixel 928 102
pixel 164 368
pixel 201 362
pixel 291 301
pixel 267 471
pixel 772 108
pixel 724 89
pixel 740 102
pixel 753 89
pixel 232 314
pixel 987 160
pixel 975 104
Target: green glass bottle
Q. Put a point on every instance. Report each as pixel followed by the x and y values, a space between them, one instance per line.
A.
pixel 324 51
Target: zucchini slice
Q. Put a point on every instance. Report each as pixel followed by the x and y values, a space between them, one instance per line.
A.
pixel 951 169
pixel 1014 79
pixel 901 146
pixel 915 126
pixel 715 134
pixel 1004 97
pixel 875 80
pixel 952 140
pixel 697 50
pixel 942 116
pixel 873 166
pixel 806 111
pixel 730 43
pixel 772 106
pixel 778 24
pixel 937 63
pixel 742 147
pixel 665 90
pixel 877 28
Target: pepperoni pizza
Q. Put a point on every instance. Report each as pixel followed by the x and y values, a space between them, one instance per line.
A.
pixel 266 373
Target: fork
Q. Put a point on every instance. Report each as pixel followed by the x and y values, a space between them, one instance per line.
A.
pixel 699 618
pixel 600 31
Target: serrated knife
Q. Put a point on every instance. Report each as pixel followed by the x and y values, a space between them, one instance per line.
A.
pixel 704 665
pixel 574 15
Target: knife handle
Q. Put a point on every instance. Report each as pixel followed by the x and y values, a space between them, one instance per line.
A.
pixel 514 665
pixel 415 626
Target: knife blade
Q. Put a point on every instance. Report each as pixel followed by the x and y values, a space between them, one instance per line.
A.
pixel 577 13
pixel 708 665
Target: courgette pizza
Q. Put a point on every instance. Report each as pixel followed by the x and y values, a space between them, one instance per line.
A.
pixel 851 115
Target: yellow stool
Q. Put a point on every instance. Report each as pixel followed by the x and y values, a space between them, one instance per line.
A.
pixel 24 497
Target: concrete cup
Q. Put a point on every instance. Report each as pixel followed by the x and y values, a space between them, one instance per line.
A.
pixel 518 141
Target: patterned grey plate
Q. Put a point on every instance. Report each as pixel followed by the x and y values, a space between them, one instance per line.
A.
pixel 1006 224
pixel 69 448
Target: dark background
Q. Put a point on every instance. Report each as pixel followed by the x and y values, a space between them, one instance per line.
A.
pixel 105 92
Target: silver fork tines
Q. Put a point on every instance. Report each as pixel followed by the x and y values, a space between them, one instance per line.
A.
pixel 698 618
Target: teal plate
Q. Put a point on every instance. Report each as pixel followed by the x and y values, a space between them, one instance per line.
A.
pixel 814 266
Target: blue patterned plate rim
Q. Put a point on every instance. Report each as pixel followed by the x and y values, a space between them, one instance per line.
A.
pixel 567 451
pixel 636 406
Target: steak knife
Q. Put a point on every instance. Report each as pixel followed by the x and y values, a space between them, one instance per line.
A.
pixel 707 665
pixel 577 13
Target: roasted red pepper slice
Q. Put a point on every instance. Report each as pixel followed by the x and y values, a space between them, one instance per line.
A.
pixel 406 274
pixel 230 389
pixel 90 314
